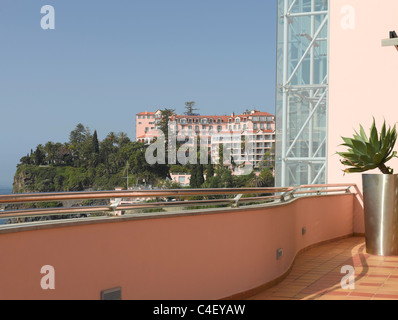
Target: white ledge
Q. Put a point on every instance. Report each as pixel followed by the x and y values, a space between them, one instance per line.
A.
pixel 389 42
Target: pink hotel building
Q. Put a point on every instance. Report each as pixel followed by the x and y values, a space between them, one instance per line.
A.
pixel 255 126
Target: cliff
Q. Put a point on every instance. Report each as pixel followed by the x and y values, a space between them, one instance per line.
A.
pixel 31 178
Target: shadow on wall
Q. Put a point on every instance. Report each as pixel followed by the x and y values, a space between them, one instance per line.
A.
pixel 358 214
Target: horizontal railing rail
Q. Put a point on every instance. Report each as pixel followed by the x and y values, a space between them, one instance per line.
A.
pixel 129 201
pixel 318 189
pixel 63 196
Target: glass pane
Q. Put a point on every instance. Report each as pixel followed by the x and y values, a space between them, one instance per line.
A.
pixel 301 97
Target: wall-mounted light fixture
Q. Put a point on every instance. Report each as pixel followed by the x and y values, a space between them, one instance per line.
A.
pixel 392 41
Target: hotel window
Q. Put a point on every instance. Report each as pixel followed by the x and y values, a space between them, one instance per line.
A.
pixel 139 117
pixel 237 120
pixel 210 128
pixel 218 120
pixel 262 118
pixel 189 120
pixel 269 126
pixel 219 128
pixel 270 119
pixel 204 121
pixel 255 126
pixel 261 125
pixel 211 121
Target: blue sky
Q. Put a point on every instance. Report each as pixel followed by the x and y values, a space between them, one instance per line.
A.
pixel 108 60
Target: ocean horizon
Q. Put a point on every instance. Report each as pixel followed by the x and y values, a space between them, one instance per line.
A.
pixel 5 190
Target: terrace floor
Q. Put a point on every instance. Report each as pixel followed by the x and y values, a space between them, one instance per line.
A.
pixel 316 275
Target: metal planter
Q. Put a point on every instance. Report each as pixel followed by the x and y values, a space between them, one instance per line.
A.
pixel 380 192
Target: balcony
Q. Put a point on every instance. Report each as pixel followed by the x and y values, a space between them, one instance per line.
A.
pixel 253 243
pixel 317 275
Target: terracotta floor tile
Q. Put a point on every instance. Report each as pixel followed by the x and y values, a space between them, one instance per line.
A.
pixel 337 293
pixel 389 283
pixel 369 290
pixel 374 276
pixel 388 296
pixel 370 284
pixel 357 298
pixel 328 298
pixel 316 275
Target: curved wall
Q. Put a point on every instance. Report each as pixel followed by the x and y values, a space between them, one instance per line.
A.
pixel 204 255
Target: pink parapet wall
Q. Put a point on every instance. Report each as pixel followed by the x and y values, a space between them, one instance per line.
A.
pixel 196 255
pixel 363 79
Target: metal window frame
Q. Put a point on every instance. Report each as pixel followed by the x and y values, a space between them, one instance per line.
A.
pixel 286 155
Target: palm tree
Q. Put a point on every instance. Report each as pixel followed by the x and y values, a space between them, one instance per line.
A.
pixel 111 137
pixel 257 182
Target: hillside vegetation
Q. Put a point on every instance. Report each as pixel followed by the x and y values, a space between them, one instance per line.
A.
pixel 84 163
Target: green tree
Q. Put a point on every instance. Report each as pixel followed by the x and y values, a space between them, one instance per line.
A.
pixel 166 115
pixel 199 175
pixel 193 181
pixel 95 143
pixel 79 135
pixel 39 156
pixel 94 157
pixel 197 178
pixel 210 170
pixel 26 159
pixel 50 150
pixel 122 139
pixel 264 179
pixel 80 145
pixel 112 137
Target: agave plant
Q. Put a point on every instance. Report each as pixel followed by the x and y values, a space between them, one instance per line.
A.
pixel 365 153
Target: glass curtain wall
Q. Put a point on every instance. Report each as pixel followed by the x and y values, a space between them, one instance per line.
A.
pixel 302 90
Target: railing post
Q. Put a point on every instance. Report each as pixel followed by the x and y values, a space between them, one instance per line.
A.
pixel 236 199
pixel 115 204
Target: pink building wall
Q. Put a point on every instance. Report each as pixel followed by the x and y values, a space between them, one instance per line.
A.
pixel 363 79
pixel 144 120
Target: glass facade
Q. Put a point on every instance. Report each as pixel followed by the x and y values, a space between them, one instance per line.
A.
pixel 302 89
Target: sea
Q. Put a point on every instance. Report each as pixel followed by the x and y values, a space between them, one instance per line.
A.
pixel 5 190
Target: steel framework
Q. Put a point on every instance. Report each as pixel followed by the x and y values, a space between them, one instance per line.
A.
pixel 302 92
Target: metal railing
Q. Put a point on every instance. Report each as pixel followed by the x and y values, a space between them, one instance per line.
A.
pixel 128 202
pixel 319 189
